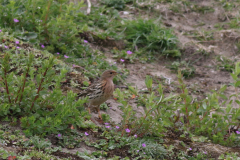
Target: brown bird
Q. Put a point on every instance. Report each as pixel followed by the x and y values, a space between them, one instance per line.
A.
pixel 100 91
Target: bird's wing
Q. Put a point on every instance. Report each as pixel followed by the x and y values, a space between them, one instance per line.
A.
pixel 94 89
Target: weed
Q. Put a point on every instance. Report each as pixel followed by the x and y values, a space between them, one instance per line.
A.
pixel 165 1
pixel 52 24
pixel 228 6
pixel 238 46
pixel 148 148
pixel 146 33
pixel 202 35
pixel 104 106
pixel 234 23
pixel 117 4
pixel 158 112
pixel 229 156
pixel 127 56
pixel 186 69
pixel 172 53
pixel 215 127
pixel 38 155
pixel 37 143
pixel 26 80
pixel 69 141
pixel 186 6
pixel 180 6
pixel 6 154
pixel 225 64
pixel 147 124
pixel 202 9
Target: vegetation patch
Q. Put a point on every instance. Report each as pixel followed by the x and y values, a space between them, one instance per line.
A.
pixel 50 51
pixel 146 33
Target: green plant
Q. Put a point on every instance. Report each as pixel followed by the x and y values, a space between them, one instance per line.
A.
pixel 6 154
pixel 111 139
pixel 202 9
pixel 225 64
pixel 204 35
pixel 32 92
pixel 180 6
pixel 215 126
pixel 148 34
pixel 161 107
pixel 186 69
pixel 148 148
pixel 37 143
pixel 117 4
pixel 159 112
pixel 37 154
pixel 52 24
pixel 229 156
pixel 69 141
pixel 227 5
pixel 125 56
pixel 234 23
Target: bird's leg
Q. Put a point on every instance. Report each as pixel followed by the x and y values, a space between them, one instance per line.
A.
pixel 99 114
pixel 89 110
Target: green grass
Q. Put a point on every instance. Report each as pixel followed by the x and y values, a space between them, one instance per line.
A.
pixel 225 64
pixel 150 35
pixel 186 69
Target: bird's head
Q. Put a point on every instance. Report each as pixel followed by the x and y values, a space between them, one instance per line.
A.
pixel 109 74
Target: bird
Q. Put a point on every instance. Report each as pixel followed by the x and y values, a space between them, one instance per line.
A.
pixel 100 91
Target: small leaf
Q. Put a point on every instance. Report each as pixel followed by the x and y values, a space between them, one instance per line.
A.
pixel 228 109
pixel 223 88
pixel 31 35
pixel 204 106
pixel 234 76
pixel 238 102
pixel 223 96
pixel 237 83
pixel 86 83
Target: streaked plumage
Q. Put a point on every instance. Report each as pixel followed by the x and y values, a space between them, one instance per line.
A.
pixel 100 91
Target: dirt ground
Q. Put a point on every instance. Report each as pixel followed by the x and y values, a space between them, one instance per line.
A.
pixel 208 75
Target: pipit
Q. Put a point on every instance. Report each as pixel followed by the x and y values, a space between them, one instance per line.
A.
pixel 100 91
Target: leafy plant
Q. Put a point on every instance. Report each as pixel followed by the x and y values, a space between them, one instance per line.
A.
pixel 27 81
pixel 216 126
pixel 202 9
pixel 148 34
pixel 186 69
pixel 153 105
pixel 117 4
pixel 52 23
pixel 6 154
pixel 225 64
pixel 159 112
pixel 38 143
pixel 148 148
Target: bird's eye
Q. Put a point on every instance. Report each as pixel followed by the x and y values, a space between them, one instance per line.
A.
pixel 111 72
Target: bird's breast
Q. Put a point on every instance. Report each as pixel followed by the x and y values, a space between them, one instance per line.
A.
pixel 108 89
